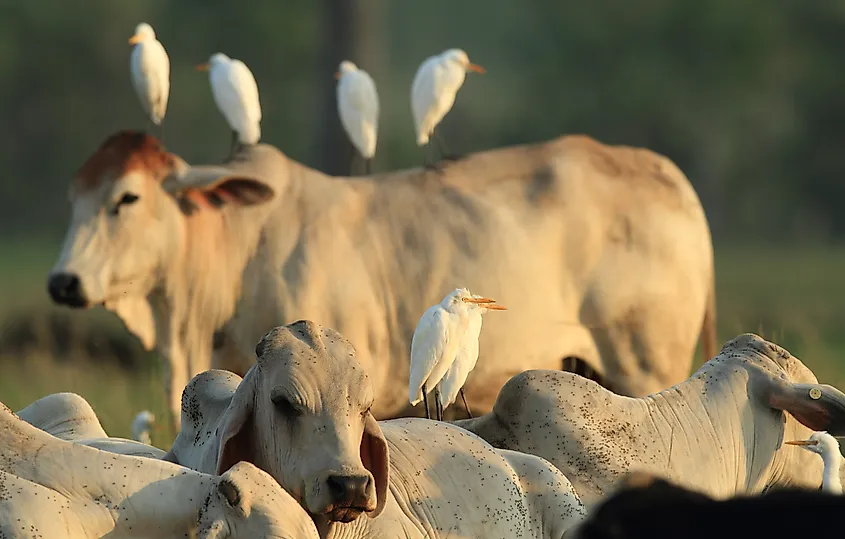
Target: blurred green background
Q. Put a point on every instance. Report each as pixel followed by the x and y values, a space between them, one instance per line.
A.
pixel 748 98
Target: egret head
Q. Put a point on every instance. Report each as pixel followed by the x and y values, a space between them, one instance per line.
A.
pixel 484 304
pixel 142 32
pixel 216 59
pixel 345 67
pixel 460 57
pixel 820 443
pixel 464 298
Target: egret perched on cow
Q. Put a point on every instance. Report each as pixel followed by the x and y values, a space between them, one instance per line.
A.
pixel 455 378
pixel 825 445
pixel 446 333
pixel 142 425
pixel 150 70
pixel 357 105
pixel 236 95
pixel 434 88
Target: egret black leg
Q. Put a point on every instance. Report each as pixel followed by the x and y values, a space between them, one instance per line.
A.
pixel 425 402
pixel 234 144
pixel 368 166
pixel 352 164
pixel 431 162
pixel 463 397
pixel 438 408
pixel 444 154
pixel 161 131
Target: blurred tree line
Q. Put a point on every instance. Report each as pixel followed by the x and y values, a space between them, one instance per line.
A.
pixel 747 97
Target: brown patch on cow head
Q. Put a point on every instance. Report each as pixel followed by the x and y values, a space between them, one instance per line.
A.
pixel 123 152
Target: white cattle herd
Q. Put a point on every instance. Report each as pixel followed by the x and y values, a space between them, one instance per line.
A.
pixel 357 293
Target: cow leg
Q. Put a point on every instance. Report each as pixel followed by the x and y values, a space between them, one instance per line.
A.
pixel 578 366
pixel 463 398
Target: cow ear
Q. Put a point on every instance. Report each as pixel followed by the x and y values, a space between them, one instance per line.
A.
pixel 213 187
pixel 375 457
pixel 236 437
pixel 816 406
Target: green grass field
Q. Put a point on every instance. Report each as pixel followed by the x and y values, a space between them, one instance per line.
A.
pixel 791 296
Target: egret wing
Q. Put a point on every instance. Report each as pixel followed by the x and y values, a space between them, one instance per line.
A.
pixel 243 78
pixel 465 360
pixel 358 106
pixel 431 339
pixel 423 91
pixel 150 70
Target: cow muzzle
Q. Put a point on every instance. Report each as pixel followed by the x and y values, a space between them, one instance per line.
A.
pixel 350 496
pixel 66 289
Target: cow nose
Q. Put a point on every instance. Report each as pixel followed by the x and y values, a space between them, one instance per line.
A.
pixel 66 289
pixel 351 489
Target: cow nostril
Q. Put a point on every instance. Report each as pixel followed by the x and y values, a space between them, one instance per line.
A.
pixel 348 488
pixel 66 289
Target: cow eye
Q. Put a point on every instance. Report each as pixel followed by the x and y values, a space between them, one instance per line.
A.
pixel 127 198
pixel 287 408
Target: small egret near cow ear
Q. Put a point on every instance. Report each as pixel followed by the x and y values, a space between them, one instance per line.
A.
pixel 358 107
pixel 236 95
pixel 149 67
pixel 433 93
pixel 825 445
pixel 446 334
pixel 142 425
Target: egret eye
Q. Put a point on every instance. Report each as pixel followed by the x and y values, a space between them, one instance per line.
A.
pixel 815 393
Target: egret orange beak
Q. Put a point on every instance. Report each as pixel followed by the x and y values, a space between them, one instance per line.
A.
pixel 478 300
pixel 486 302
pixel 337 75
pixel 477 68
pixel 802 442
pixel 135 39
pixel 202 67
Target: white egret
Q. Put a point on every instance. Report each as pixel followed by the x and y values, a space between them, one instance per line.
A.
pixel 357 104
pixel 453 381
pixel 827 446
pixel 437 341
pixel 149 66
pixel 434 88
pixel 236 95
pixel 142 425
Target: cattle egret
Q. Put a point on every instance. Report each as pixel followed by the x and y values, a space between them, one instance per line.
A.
pixel 150 70
pixel 433 91
pixel 357 104
pixel 236 95
pixel 142 425
pixel 467 356
pixel 443 335
pixel 822 443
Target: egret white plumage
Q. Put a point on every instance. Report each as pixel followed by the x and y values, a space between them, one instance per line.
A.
pixel 236 95
pixel 822 443
pixel 434 89
pixel 453 381
pixel 357 105
pixel 149 67
pixel 438 339
pixel 142 425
